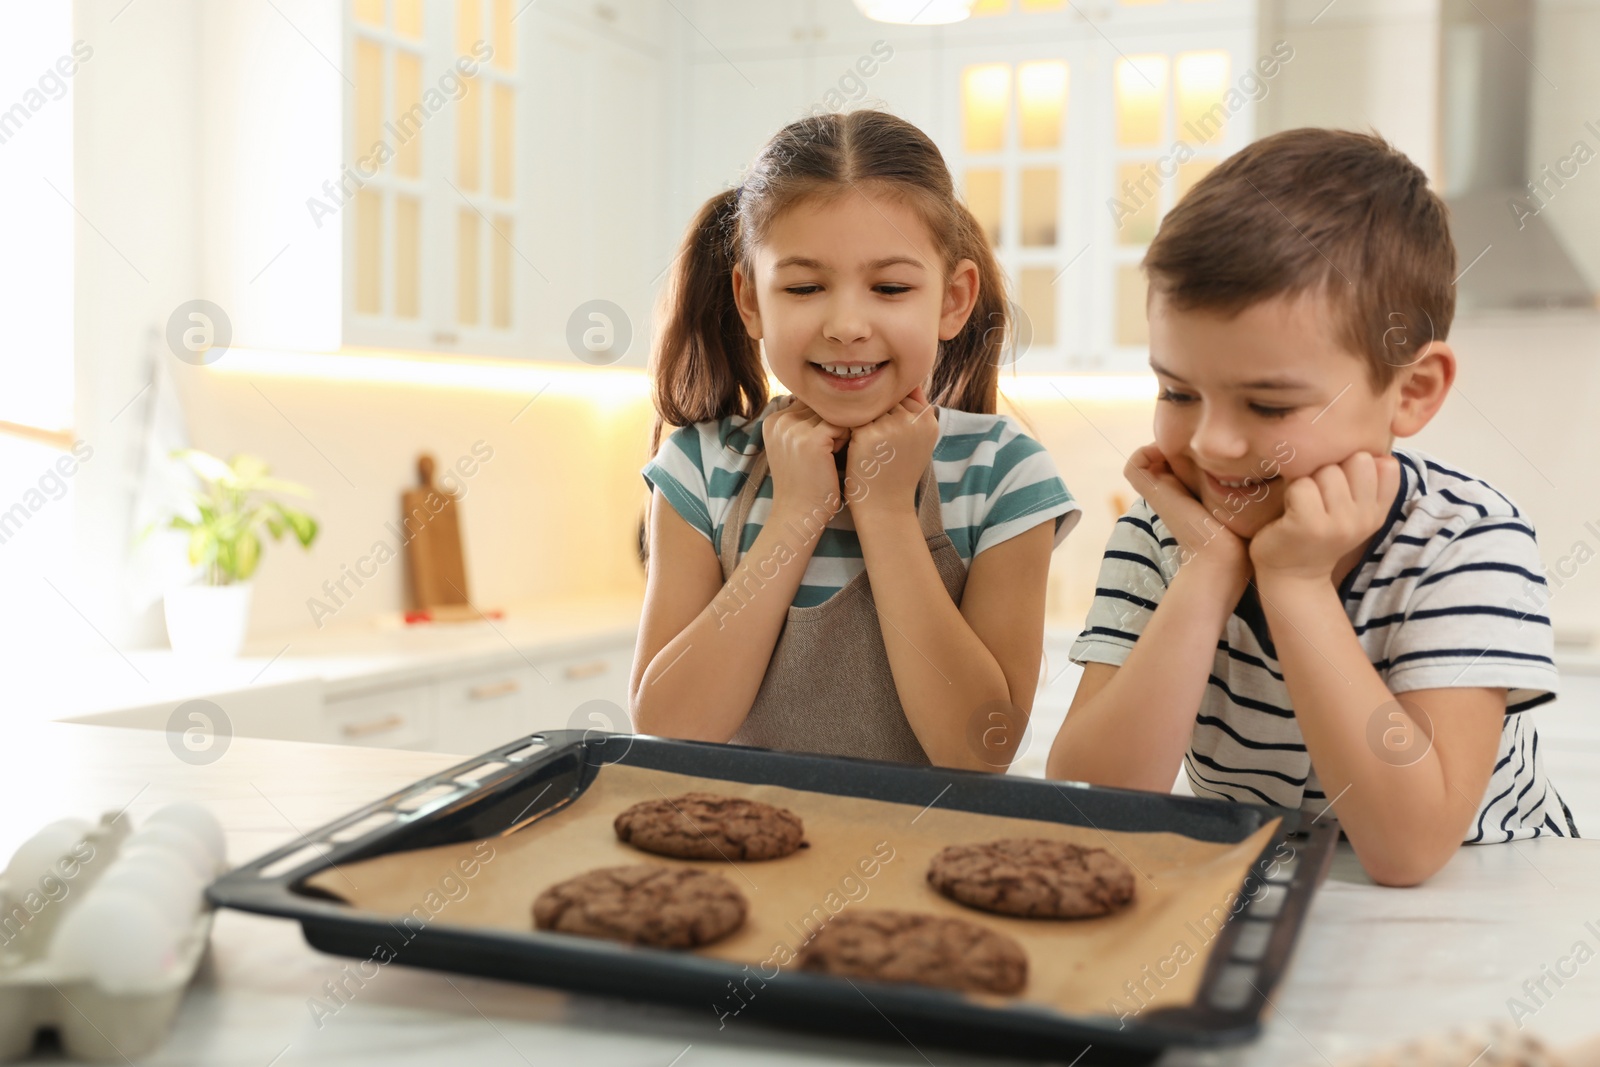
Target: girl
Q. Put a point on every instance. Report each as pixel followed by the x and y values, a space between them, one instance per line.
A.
pixel 857 567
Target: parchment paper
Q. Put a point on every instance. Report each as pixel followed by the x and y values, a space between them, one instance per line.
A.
pixel 863 854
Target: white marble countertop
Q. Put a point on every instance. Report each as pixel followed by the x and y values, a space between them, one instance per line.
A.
pixel 1373 965
pixel 371 653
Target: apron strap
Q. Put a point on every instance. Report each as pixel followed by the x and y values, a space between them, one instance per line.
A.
pixel 739 512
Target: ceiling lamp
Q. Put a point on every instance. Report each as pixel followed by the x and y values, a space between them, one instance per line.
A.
pixel 916 12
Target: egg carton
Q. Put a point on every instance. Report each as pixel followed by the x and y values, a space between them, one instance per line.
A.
pixel 94 1022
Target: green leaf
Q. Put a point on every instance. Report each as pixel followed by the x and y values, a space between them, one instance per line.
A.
pixel 207 466
pixel 278 485
pixel 247 469
pixel 232 507
pixel 247 555
pixel 202 545
pixel 303 525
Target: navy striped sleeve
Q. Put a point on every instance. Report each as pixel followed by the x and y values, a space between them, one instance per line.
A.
pixel 1134 573
pixel 1477 618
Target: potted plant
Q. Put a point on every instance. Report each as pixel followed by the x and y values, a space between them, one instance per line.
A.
pixel 232 507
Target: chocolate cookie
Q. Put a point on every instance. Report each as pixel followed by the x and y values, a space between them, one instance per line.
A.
pixel 646 904
pixel 704 826
pixel 904 946
pixel 1034 878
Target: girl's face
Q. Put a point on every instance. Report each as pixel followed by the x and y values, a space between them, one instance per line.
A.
pixel 1250 402
pixel 850 301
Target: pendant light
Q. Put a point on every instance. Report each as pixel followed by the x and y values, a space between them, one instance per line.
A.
pixel 916 12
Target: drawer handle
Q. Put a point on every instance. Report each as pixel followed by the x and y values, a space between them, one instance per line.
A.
pixel 580 671
pixel 376 726
pixel 493 689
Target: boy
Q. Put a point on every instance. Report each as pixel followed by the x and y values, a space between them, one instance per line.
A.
pixel 1336 609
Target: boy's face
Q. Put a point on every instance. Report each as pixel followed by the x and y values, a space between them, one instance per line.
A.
pixel 1258 400
pixel 852 283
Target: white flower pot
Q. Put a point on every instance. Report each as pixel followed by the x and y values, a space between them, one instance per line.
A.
pixel 208 620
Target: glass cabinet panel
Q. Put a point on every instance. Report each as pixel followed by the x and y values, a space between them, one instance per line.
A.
pixel 985 96
pixel 1041 196
pixel 983 199
pixel 467 297
pixel 1141 97
pixel 1042 103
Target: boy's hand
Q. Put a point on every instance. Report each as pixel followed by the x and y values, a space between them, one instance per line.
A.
pixel 1205 541
pixel 1325 516
pixel 888 455
pixel 800 448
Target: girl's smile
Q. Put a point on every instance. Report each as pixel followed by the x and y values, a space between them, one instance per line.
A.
pixel 849 376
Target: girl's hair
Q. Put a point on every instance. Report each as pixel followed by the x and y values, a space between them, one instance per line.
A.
pixel 705 366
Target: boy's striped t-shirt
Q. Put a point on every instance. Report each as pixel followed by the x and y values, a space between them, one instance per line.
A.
pixel 1450 593
pixel 995 482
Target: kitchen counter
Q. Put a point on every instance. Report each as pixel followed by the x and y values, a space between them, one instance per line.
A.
pixel 372 652
pixel 1373 965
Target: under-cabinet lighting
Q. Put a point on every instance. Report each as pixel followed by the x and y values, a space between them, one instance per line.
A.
pixel 618 384
pixel 615 384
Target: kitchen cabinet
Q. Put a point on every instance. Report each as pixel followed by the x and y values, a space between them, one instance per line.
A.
pixel 587 691
pixel 388 717
pixel 461 689
pixel 1068 149
pixel 487 708
pixel 456 177
pixel 504 697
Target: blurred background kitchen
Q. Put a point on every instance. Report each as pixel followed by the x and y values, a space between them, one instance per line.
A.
pixel 336 236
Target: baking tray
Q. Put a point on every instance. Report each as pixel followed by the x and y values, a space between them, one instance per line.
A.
pixel 518 783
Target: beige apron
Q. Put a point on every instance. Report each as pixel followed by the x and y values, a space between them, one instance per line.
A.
pixel 828 687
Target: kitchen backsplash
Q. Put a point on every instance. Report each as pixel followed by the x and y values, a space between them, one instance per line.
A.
pixel 553 513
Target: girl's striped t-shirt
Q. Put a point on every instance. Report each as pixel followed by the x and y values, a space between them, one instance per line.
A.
pixel 1451 592
pixel 995 482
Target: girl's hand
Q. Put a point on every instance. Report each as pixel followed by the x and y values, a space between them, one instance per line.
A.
pixel 800 448
pixel 1202 538
pixel 1325 516
pixel 889 454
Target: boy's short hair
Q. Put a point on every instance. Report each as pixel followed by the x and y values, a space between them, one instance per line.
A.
pixel 1312 209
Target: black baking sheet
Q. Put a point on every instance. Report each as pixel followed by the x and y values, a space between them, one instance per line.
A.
pixel 537 776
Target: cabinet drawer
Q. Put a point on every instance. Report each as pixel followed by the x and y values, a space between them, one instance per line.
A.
pixel 482 710
pixel 389 718
pixel 571 682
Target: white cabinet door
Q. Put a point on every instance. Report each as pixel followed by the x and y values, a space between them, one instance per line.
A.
pixel 584 691
pixel 485 709
pixel 393 717
pixel 588 691
pixel 598 128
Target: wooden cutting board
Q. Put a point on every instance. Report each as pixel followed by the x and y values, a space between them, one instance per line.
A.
pixel 438 571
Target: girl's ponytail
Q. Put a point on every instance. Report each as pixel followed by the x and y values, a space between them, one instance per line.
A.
pixel 966 376
pixel 704 365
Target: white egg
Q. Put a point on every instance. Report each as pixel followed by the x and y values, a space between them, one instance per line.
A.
pixel 153 874
pixel 116 937
pixel 199 821
pixel 179 842
pixel 39 854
